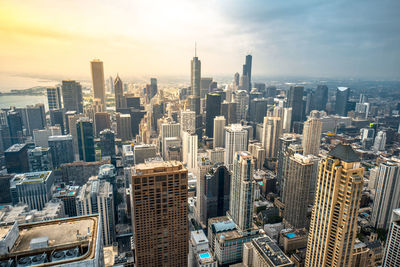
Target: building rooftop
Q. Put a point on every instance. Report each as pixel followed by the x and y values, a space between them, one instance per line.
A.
pixel 15 148
pixel 157 166
pixel 198 237
pixel 344 152
pixel 78 233
pixel 31 177
pixel 60 137
pixel 270 251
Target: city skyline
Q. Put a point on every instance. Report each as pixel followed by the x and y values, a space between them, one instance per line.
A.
pixel 271 32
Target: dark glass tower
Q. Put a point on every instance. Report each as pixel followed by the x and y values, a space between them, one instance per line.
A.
pixel 153 87
pixel 72 96
pixel 84 129
pixel 15 126
pixel 107 143
pixel 295 99
pixel 213 109
pixel 247 69
pixel 342 97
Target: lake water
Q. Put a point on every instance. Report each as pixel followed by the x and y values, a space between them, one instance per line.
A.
pixel 21 101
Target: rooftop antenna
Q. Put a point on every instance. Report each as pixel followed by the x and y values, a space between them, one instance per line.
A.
pixel 195 49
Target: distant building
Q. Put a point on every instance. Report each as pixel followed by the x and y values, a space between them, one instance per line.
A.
pixel 40 159
pixel 342 97
pixel 54 97
pixel 219 131
pixel 62 242
pixel 295 101
pixel 17 158
pixel 213 109
pixel 33 117
pixel 32 188
pixel 235 140
pixel 119 94
pixel 72 96
pixel 312 134
pixel 107 143
pixel 62 149
pixel 84 128
pixel 15 125
pixel 271 132
pixel 79 172
pixel 102 121
pixel 98 81
pixel 124 128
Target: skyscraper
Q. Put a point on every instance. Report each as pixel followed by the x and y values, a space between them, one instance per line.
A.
pixel 242 100
pixel 188 121
pixel 54 97
pixel 241 204
pixel 195 75
pixel 17 158
pixel 236 81
pixel 153 87
pixel 96 197
pixel 320 98
pixel 62 149
pixel 14 120
pixel 312 134
pixel 235 141
pixel 119 93
pixel 379 142
pixel 301 173
pixel 387 196
pixel 392 252
pixel 342 99
pixel 107 143
pixel 40 159
pixel 57 118
pixel 72 96
pixel 159 214
pixel 213 109
pixel 33 117
pixel 124 128
pixel 85 136
pixel 102 121
pixel 228 110
pixel 333 225
pixel 247 70
pixel 98 81
pixel 189 147
pixel 295 100
pixel 219 131
pixel 271 132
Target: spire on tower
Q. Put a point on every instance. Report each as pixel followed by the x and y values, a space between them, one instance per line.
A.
pixel 195 49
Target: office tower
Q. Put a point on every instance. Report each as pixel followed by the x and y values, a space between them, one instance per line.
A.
pixel 272 130
pixel 246 76
pixel 299 181
pixel 107 143
pixel 72 120
pixel 258 152
pixel 102 121
pixel 253 95
pixel 54 97
pixel 17 158
pixel 14 120
pixel 235 141
pixel 312 134
pixel 242 190
pixel 236 81
pixel 342 98
pixel 108 173
pixel 62 149
pixel 200 250
pixel 194 105
pixel 189 146
pixel 124 128
pixel 170 129
pixel 40 159
pixel 380 141
pixel 263 251
pixel 205 84
pixel 228 110
pixel 153 87
pixel 5 139
pixel 333 225
pixel 216 155
pixel 132 101
pixel 57 242
pixel 79 172
pixel 160 223
pixel 136 116
pixel 72 96
pixel 258 109
pixel 216 195
pixel 367 137
pixel 67 195
pixel 96 197
pixel 68 115
pixel 320 98
pixel 287 120
pixel 98 81
pixel 57 119
pixel 387 196
pixel 157 113
pixel 188 121
pixel 242 100
pixel 270 91
pixel 32 188
pixel 84 128
pixel 40 137
pixel 204 165
pixel 392 253
pixel 33 117
pixel 172 148
pixel 195 75
pixel 213 109
pixel 295 101
pixel 119 93
pixel 219 131
pixel 142 153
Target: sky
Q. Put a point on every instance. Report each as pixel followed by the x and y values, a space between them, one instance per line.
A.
pixel 311 38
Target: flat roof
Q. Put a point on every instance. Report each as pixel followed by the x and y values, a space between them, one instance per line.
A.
pixel 158 167
pixel 31 177
pixel 15 148
pixel 269 250
pixel 199 237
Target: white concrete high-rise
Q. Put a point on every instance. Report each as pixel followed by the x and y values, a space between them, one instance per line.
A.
pixel 392 251
pixel 189 147
pixel 380 141
pixel 188 121
pixel 312 134
pixel 272 130
pixel 235 141
pixel 242 100
pixel 287 119
pixel 387 196
pixel 219 131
